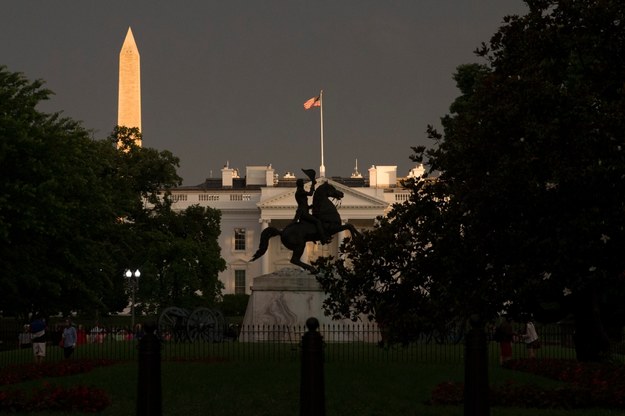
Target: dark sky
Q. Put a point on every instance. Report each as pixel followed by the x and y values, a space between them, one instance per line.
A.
pixel 225 80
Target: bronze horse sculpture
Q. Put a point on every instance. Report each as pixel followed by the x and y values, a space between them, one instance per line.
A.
pixel 295 235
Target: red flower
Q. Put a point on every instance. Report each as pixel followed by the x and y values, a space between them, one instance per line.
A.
pixel 48 396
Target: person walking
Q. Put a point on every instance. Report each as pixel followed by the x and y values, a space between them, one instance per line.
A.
pixel 70 338
pixel 39 338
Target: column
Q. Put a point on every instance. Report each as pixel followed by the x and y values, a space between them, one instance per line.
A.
pixel 341 235
pixel 264 260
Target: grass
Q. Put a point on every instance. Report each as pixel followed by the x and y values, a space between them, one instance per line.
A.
pixel 252 385
pixel 272 389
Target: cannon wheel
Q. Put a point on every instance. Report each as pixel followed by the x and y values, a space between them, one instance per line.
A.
pixel 220 328
pixel 172 324
pixel 203 325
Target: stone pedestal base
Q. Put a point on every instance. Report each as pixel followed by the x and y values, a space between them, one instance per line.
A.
pixel 282 301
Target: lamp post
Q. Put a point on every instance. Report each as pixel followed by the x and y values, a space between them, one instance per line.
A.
pixel 133 281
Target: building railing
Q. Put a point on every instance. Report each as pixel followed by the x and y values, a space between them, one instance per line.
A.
pixel 360 343
pixel 402 196
pixel 178 198
pixel 208 197
pixel 182 198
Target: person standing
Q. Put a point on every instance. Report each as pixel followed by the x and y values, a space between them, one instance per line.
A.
pixel 56 334
pixel 82 335
pixel 70 337
pixel 504 335
pixel 530 336
pixel 138 332
pixel 39 338
pixel 24 338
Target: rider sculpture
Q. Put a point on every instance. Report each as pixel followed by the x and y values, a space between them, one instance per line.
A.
pixel 325 223
pixel 303 209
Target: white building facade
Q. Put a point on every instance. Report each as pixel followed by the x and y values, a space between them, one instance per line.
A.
pixel 260 199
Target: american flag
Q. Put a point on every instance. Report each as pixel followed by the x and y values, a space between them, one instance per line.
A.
pixel 313 102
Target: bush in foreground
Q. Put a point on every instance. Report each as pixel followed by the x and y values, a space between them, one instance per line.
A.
pixel 589 385
pixel 49 396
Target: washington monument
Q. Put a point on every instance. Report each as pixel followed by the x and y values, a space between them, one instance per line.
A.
pixel 129 102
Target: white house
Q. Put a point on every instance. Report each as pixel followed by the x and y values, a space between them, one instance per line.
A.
pixel 251 203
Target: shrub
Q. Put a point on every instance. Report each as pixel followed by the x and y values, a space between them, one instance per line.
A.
pixel 50 397
pixel 589 385
pixel 13 374
pixel 234 305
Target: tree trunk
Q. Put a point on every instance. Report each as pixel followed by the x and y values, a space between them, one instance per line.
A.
pixel 591 340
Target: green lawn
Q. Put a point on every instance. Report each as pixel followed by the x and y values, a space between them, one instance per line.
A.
pixel 272 388
pixel 263 379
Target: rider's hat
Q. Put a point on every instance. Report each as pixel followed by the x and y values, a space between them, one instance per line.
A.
pixel 310 173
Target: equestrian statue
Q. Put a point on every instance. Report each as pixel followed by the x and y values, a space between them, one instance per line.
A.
pixel 324 222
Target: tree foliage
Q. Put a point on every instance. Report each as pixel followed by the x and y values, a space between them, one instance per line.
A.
pixel 180 259
pixel 53 203
pixel 529 205
pixel 75 212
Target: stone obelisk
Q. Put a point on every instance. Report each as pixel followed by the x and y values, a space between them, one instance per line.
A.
pixel 129 102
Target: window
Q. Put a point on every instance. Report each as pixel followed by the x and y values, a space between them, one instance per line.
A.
pixel 239 282
pixel 239 239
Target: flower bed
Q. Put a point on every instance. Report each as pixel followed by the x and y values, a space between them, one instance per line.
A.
pixel 49 396
pixel 589 385
pixel 18 373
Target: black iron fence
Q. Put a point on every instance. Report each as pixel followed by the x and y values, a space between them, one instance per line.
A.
pixel 361 343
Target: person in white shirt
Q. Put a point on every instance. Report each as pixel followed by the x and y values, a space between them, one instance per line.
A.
pixel 530 337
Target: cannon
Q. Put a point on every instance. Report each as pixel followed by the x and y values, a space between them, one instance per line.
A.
pixel 184 325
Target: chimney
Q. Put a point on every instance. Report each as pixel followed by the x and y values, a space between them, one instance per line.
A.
pixel 382 176
pixel 227 174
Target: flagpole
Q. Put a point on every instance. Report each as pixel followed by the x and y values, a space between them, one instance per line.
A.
pixel 322 168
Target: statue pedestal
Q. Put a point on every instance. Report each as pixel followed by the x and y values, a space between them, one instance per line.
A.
pixel 282 301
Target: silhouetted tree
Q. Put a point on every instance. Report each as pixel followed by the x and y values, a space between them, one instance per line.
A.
pixel 529 205
pixel 76 212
